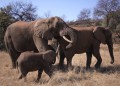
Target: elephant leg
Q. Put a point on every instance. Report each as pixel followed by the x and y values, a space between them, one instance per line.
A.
pixel 20 77
pixel 69 62
pixel 99 60
pixel 96 53
pixel 88 62
pixel 47 70
pixel 24 76
pixel 12 52
pixel 39 74
pixel 13 56
pixel 23 72
pixel 62 57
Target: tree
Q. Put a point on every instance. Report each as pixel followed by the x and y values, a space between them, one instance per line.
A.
pixel 5 20
pixel 47 14
pixel 118 31
pixel 84 16
pixel 14 12
pixel 112 24
pixel 105 7
pixel 20 11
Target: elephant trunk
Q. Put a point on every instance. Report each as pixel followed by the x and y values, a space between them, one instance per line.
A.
pixel 110 47
pixel 72 35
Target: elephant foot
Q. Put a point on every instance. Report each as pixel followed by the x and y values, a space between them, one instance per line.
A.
pixel 20 77
pixel 87 68
pixel 69 68
pixel 77 69
pixel 50 74
pixel 36 81
pixel 97 66
pixel 60 66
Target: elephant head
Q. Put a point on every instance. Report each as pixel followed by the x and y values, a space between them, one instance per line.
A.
pixel 104 35
pixel 42 30
pixel 49 57
pixel 56 27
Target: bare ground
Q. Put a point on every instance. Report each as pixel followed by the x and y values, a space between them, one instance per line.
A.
pixel 108 75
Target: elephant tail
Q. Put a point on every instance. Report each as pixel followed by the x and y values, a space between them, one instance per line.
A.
pixel 5 40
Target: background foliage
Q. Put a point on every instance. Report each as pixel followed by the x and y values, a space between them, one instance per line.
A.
pixel 12 13
pixel 106 13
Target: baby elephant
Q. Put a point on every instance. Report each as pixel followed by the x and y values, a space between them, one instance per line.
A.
pixel 30 61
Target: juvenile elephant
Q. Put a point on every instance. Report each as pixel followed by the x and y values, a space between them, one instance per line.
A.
pixel 87 40
pixel 32 36
pixel 30 61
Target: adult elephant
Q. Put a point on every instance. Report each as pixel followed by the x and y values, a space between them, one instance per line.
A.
pixel 33 36
pixel 87 41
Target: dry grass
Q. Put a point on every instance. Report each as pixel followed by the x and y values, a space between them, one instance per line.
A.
pixel 108 75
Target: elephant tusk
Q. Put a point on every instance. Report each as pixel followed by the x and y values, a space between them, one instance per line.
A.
pixel 57 50
pixel 66 39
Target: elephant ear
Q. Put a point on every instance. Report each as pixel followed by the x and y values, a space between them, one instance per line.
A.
pixel 39 27
pixel 99 34
pixel 52 22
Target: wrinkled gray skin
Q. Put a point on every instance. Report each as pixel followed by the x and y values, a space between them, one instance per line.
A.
pixel 32 36
pixel 87 41
pixel 30 61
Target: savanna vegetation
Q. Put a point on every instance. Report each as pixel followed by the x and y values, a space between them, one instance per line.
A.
pixel 106 13
pixel 108 75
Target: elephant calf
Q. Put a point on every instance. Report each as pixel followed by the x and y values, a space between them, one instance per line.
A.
pixel 30 61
